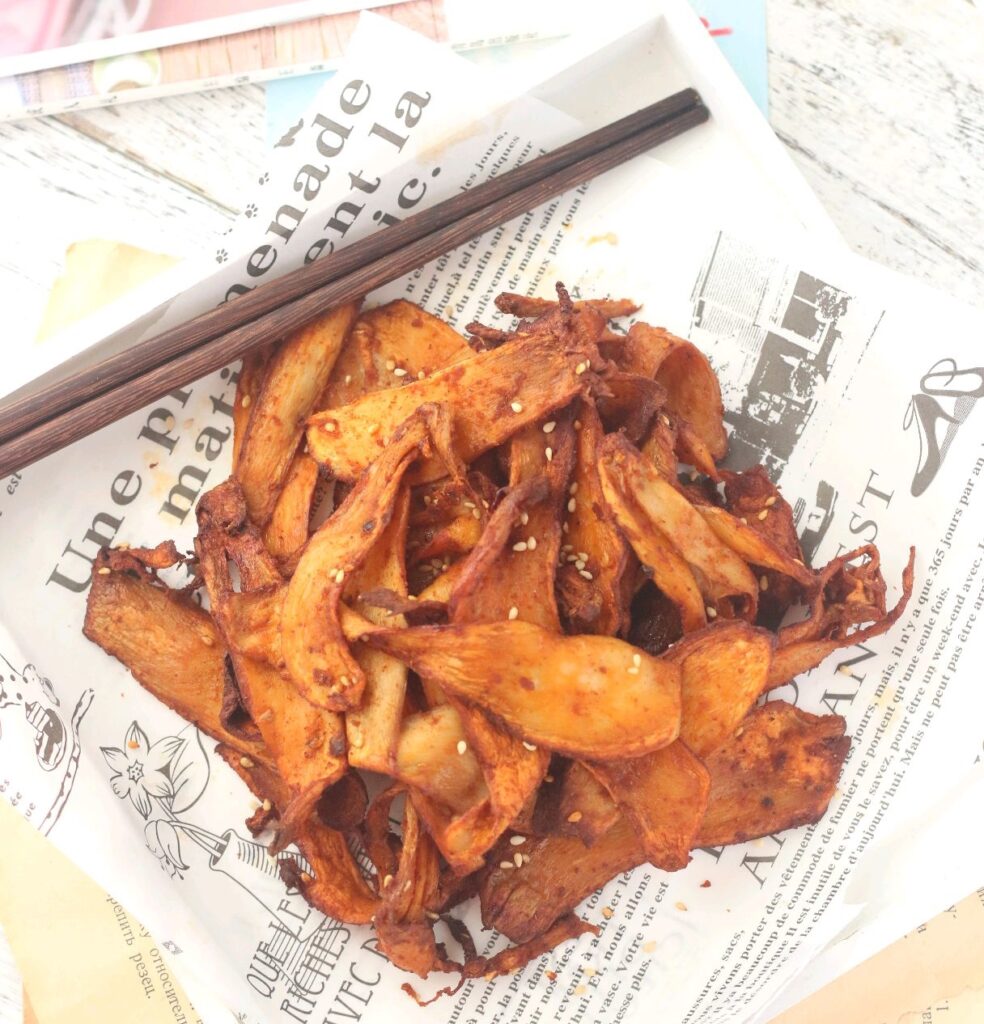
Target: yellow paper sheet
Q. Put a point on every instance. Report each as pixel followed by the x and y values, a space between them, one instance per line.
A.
pixel 935 975
pixel 109 968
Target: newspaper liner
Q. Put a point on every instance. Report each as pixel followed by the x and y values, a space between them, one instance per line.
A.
pixel 853 386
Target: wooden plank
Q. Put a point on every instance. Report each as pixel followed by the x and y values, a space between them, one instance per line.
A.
pixel 60 186
pixel 882 106
pixel 212 143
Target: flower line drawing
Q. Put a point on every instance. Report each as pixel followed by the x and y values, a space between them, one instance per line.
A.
pixel 161 780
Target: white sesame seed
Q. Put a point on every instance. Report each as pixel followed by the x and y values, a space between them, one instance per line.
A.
pixel 573 488
pixel 421 375
pixel 340 575
pixel 549 454
pixel 462 746
pixel 468 504
pixel 348 378
pixel 583 554
pixel 266 805
pixel 517 840
pixel 476 513
pixel 574 817
pixel 387 880
pixel 531 544
pixel 247 399
pixel 566 547
pixel 524 518
pixel 399 372
pixel 485 504
pixel 580 368
pixel 390 364
pixel 331 426
pixel 572 505
pixel 516 406
pixel 764 583
pixel 520 545
pixel 769 502
pixel 518 859
pixel 665 420
pixel 587 575
pixel 577 424
pixel 513 613
pixel 245 762
pixel 104 571
pixel 743 520
pixel 506 865
pixel 579 563
pixel 526 858
pixel 637 659
pixel 565 527
pixel 763 513
pixel 548 428
pixel 633 670
pixel 845 670
pixel 529 746
pixel 548 778
pixel 711 612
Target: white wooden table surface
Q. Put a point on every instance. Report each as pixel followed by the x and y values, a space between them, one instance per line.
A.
pixel 880 102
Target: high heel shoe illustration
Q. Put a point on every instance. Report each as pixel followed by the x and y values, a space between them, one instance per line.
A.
pixel 943 380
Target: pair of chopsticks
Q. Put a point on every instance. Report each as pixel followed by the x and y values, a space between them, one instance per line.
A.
pixel 43 420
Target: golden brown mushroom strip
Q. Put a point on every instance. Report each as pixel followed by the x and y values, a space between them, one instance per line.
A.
pixel 725 670
pixel 753 547
pixel 593 531
pixel 168 643
pixel 248 386
pixel 500 576
pixel 658 555
pixel 561 872
pixel 308 743
pixel 509 960
pixel 575 803
pixel 314 649
pixel 719 572
pixel 692 388
pixel 585 696
pixel 490 397
pixel 499 584
pixel 294 379
pixel 428 759
pixel 373 727
pixel 397 336
pixel 795 655
pixel 528 305
pixel 663 795
pixel 287 531
pixel 337 887
pixel 403 928
pixel 779 772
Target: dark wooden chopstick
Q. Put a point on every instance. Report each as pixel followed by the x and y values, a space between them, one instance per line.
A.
pixel 70 425
pixel 27 410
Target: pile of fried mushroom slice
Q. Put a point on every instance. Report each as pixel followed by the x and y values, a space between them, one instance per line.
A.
pixel 505 574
